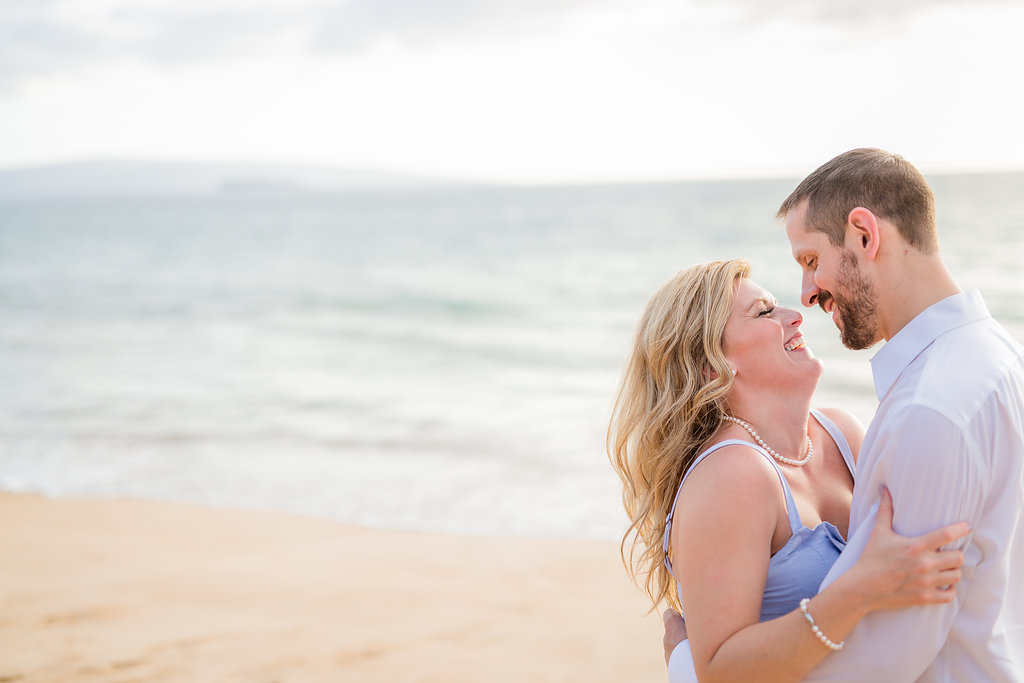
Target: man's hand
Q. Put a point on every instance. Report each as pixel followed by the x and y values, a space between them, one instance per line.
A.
pixel 675 631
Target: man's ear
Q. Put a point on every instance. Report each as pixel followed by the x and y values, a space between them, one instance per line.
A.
pixel 862 233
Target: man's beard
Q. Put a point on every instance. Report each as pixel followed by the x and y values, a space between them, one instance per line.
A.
pixel 855 306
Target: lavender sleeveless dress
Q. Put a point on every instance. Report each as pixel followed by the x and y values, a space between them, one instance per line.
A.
pixel 798 568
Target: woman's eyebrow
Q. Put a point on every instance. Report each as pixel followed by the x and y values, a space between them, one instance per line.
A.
pixel 763 301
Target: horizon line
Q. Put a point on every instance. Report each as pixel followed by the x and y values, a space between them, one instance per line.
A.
pixel 427 178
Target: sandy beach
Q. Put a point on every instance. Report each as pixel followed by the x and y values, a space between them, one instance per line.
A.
pixel 125 590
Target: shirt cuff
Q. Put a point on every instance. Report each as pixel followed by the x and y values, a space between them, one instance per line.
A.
pixel 680 664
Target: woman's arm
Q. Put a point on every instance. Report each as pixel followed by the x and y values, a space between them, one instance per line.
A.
pixel 722 538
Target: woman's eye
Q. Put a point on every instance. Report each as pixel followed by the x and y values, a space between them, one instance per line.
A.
pixel 766 311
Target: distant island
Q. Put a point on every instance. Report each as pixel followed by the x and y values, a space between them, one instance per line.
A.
pixel 155 178
pixel 141 179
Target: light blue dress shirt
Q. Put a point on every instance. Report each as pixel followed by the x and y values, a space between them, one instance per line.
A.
pixel 948 441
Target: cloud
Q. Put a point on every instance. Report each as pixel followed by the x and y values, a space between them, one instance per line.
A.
pixel 359 22
pixel 64 36
pixel 842 12
pixel 46 36
pixel 33 39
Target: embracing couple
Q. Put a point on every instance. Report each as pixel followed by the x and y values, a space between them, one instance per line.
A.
pixel 796 546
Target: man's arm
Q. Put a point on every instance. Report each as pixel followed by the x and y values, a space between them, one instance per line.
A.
pixel 924 461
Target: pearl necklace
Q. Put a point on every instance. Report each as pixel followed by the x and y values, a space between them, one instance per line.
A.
pixel 757 437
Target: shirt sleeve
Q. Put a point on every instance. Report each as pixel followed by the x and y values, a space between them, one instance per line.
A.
pixel 680 664
pixel 925 461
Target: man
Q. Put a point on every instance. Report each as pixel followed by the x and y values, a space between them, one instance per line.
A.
pixel 948 436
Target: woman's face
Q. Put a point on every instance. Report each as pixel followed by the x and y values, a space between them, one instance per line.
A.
pixel 762 340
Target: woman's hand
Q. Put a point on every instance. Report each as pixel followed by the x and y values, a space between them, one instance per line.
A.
pixel 897 571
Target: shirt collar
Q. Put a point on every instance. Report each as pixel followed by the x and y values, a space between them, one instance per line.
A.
pixel 931 323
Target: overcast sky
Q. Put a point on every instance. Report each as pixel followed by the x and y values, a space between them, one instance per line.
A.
pixel 514 90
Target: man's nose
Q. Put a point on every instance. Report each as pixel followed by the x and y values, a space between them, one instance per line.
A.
pixel 809 291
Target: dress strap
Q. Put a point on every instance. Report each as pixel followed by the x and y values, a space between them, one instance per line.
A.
pixel 791 512
pixel 840 439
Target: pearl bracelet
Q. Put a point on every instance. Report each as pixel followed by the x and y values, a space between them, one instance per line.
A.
pixel 817 631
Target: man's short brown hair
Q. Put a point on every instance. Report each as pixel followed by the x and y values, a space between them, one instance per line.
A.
pixel 882 182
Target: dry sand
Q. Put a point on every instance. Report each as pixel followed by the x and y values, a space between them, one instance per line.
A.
pixel 120 591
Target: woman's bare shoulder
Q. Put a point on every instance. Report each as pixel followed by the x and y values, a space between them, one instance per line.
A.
pixel 849 425
pixel 723 531
pixel 734 476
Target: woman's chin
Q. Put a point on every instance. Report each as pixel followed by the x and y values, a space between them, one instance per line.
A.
pixel 819 368
pixel 813 368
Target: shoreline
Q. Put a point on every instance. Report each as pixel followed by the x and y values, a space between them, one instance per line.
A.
pixel 132 590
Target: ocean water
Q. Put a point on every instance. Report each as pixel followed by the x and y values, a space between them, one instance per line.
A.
pixel 439 359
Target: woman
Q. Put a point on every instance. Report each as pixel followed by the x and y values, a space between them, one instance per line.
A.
pixel 740 494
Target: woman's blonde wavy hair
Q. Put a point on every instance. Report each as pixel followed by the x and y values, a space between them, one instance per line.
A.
pixel 668 407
